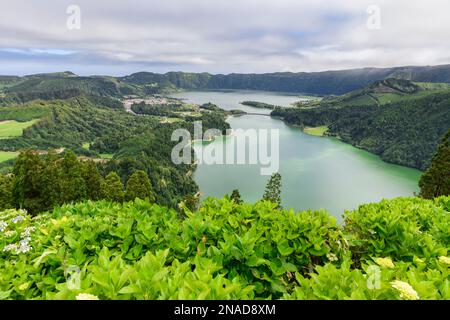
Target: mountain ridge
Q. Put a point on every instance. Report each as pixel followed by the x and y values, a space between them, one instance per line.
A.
pixel 321 83
pixel 401 128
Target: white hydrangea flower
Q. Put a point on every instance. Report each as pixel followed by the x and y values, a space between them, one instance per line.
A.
pixel 444 260
pixel 3 225
pixel 86 296
pixel 9 233
pixel 332 257
pixel 17 219
pixel 10 247
pixel 24 246
pixel 385 262
pixel 406 291
pixel 27 232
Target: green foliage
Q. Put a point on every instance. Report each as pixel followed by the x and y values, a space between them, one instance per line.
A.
pixel 135 143
pixel 436 180
pixel 224 250
pixel 327 82
pixel 27 191
pixel 40 183
pixel 405 132
pixel 372 282
pixel 164 110
pixel 413 228
pixel 24 113
pixel 64 86
pixel 138 186
pixel 93 180
pixel 72 184
pixel 6 156
pixel 12 128
pixel 6 187
pixel 69 123
pixel 112 188
pixel 273 190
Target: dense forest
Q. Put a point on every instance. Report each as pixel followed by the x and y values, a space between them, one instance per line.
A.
pixel 39 183
pixel 436 179
pixel 98 128
pixel 405 131
pixel 327 82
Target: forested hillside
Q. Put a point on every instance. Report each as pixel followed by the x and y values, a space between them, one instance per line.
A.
pixel 404 128
pixel 66 84
pixel 98 128
pixel 327 82
pixel 436 180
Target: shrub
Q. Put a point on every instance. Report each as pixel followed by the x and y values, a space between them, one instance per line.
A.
pixel 225 250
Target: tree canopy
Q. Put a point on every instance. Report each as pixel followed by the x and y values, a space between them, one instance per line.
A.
pixel 436 180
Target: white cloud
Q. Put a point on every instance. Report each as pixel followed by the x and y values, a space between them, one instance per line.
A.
pixel 119 37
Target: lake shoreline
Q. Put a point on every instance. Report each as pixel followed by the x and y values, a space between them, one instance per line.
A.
pixel 325 135
pixel 315 171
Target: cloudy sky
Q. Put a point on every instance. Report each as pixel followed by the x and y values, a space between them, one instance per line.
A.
pixel 118 37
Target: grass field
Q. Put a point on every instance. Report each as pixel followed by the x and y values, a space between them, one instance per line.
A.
pixel 12 128
pixel 170 120
pixel 315 131
pixel 106 155
pixel 6 155
pixel 433 85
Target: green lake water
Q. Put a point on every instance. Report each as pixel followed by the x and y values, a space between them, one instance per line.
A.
pixel 317 172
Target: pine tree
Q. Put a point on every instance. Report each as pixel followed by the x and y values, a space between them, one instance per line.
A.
pixel 27 187
pixel 273 190
pixel 436 179
pixel 93 180
pixel 236 196
pixel 112 188
pixel 6 195
pixel 72 184
pixel 139 186
pixel 51 180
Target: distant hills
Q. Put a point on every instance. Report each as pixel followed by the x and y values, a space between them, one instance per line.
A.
pixel 320 83
pixel 386 91
pixel 401 121
pixel 398 113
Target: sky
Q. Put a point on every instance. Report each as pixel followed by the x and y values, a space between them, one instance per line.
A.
pixel 116 37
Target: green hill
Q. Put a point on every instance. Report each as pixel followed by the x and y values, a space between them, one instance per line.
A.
pixel 384 92
pixel 324 83
pixel 401 121
pixel 138 250
pixel 133 142
pixel 67 84
pixel 61 87
pixel 436 180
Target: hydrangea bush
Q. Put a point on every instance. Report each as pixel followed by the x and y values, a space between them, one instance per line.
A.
pixel 395 249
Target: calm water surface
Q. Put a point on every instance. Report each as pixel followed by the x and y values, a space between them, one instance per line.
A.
pixel 317 172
